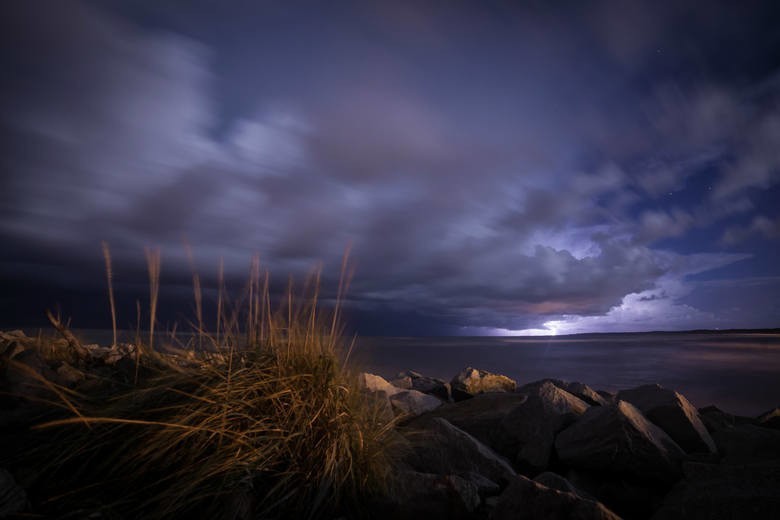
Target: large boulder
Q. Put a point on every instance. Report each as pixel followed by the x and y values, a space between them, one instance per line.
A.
pixel 672 412
pixel 526 499
pixel 555 481
pixel 13 499
pixel 480 417
pixel 426 495
pixel 412 380
pixel 715 419
pixel 580 390
pixel 405 402
pixel 378 392
pixel 723 491
pixel 628 496
pixel 375 383
pixel 619 439
pixel 412 402
pixel 443 448
pixel 529 429
pixel 471 381
pixel 747 443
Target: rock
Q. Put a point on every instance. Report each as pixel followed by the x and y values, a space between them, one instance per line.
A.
pixel 375 383
pixel 467 491
pixel 404 382
pixel 13 499
pixel 407 402
pixel 12 337
pixel 412 402
pixel 24 373
pixel 672 412
pixel 725 492
pixel 13 349
pixel 68 375
pixel 580 390
pixel 627 496
pixel 529 429
pixel 526 499
pixel 747 443
pixel 619 439
pixel 485 486
pixel 609 397
pixel 555 481
pixel 424 384
pixel 111 355
pixel 479 417
pixel 471 381
pixel 446 449
pixel 425 495
pixel 379 392
pixel 770 419
pixel 715 419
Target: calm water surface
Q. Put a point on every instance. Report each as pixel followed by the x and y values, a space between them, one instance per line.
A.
pixel 739 373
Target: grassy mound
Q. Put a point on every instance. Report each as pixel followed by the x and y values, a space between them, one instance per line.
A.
pixel 265 421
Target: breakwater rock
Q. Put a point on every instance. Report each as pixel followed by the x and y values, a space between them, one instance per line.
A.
pixel 559 449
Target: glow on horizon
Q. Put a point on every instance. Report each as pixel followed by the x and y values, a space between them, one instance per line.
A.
pixel 550 328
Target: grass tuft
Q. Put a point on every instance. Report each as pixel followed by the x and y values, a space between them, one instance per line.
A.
pixel 270 423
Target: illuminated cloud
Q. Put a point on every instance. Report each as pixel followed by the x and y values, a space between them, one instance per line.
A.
pixel 539 171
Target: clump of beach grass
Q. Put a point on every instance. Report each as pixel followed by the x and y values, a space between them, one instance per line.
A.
pixel 270 422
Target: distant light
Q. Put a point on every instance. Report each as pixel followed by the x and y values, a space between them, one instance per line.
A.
pixel 550 328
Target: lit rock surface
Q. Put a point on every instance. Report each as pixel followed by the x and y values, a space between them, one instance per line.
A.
pixel 471 381
pixel 672 412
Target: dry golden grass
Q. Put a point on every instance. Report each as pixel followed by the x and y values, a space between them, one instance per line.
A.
pixel 270 424
pixel 109 279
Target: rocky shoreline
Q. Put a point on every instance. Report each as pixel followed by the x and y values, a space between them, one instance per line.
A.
pixel 480 446
pixel 483 447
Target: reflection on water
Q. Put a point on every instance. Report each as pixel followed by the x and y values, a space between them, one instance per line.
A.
pixel 739 373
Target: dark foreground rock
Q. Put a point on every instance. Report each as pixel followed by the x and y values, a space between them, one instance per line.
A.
pixel 715 419
pixel 446 449
pixel 626 495
pixel 618 439
pixel 672 412
pixel 526 499
pixel 724 491
pixel 471 381
pixel 528 430
pixel 480 416
pixel 13 499
pixel 746 444
pixel 428 495
pixel 555 481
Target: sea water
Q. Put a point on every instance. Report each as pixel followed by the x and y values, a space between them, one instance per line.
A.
pixel 739 373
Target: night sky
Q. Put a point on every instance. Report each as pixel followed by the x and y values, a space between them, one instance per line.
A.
pixel 497 167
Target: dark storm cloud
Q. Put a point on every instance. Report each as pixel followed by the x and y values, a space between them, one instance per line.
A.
pixel 492 168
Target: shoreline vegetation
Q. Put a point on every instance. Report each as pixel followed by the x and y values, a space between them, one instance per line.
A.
pixel 267 416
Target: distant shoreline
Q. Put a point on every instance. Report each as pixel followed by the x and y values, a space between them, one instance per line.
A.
pixel 580 335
